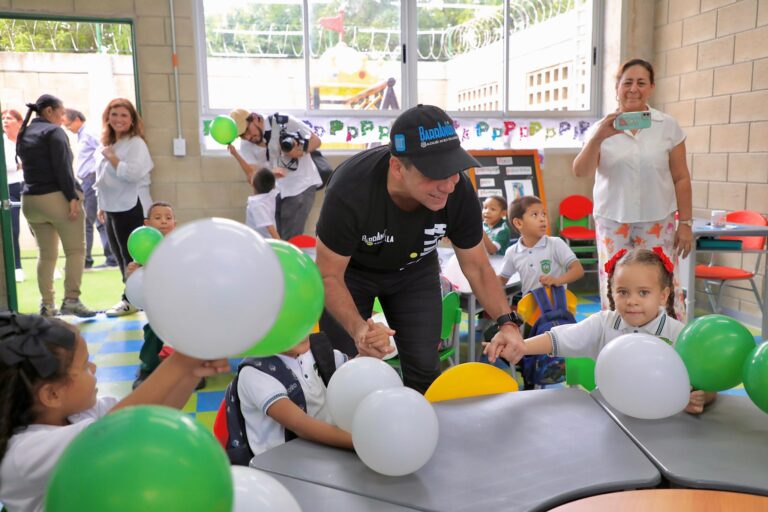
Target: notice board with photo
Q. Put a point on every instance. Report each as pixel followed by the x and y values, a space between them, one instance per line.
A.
pixel 510 173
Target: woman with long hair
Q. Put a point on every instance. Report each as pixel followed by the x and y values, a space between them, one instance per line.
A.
pixel 11 123
pixel 52 203
pixel 122 182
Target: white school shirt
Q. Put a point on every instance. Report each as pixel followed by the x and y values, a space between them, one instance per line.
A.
pixel 32 454
pixel 14 173
pixel 305 175
pixel 119 189
pixel 633 182
pixel 260 212
pixel 550 256
pixel 258 391
pixel 588 337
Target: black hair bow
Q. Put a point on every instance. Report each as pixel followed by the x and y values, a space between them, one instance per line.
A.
pixel 21 339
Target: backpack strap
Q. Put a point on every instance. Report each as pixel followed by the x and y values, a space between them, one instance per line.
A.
pixel 542 299
pixel 322 350
pixel 561 301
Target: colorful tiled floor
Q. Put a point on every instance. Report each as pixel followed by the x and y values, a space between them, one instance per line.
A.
pixel 114 345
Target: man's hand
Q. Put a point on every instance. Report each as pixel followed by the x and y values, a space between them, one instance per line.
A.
pixel 508 343
pixel 279 172
pixel 297 151
pixel 373 339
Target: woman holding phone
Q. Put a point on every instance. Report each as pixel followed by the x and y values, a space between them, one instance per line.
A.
pixel 641 179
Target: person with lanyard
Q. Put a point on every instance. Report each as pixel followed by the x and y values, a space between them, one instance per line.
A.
pixel 385 211
pixel 284 144
pixel 85 170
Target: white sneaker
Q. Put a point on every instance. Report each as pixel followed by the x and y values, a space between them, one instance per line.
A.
pixel 20 275
pixel 122 308
pixel 56 274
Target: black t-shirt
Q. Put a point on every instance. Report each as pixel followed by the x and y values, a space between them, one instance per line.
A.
pixel 360 220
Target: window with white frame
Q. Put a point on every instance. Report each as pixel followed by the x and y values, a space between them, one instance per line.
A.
pixel 365 57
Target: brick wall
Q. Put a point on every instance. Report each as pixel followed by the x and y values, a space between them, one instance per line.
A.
pixel 712 63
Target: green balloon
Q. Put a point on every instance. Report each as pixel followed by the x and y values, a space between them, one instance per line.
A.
pixel 302 302
pixel 142 458
pixel 756 376
pixel 224 130
pixel 142 242
pixel 714 348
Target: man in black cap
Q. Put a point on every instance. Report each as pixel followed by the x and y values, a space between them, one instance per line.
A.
pixel 384 213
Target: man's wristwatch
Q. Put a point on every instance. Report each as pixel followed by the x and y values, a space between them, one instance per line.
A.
pixel 688 222
pixel 509 318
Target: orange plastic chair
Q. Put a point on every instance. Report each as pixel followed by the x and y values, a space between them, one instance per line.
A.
pixel 303 241
pixel 721 276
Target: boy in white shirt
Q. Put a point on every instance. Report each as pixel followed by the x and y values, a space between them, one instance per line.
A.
pixel 540 260
pixel 260 211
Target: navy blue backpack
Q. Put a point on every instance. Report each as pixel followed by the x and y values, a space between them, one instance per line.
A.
pixel 541 370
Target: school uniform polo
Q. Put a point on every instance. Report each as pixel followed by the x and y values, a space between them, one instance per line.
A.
pixel 33 453
pixel 551 256
pixel 588 337
pixel 633 182
pixel 259 391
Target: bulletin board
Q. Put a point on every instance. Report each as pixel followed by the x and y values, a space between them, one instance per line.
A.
pixel 510 173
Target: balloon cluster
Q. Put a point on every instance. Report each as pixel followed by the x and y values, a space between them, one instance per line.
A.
pixel 720 353
pixel 394 428
pixel 215 288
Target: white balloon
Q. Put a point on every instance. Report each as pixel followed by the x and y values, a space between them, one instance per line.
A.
pixel 134 288
pixel 212 288
pixel 256 490
pixel 642 376
pixel 352 382
pixel 395 431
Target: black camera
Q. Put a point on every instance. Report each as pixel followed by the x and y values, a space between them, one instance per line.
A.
pixel 289 139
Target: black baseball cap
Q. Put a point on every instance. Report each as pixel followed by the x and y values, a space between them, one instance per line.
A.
pixel 426 136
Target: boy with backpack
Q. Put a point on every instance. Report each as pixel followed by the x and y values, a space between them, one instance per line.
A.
pixel 542 261
pixel 277 398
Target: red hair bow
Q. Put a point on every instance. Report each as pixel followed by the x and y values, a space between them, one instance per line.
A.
pixel 664 260
pixel 611 263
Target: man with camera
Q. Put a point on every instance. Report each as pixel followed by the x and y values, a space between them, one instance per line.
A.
pixel 282 143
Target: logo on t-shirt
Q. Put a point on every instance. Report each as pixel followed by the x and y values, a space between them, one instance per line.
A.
pixel 378 238
pixel 546 266
pixel 436 233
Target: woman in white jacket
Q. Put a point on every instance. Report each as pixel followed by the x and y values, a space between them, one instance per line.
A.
pixel 122 182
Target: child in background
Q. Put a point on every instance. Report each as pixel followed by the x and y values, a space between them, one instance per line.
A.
pixel 275 409
pixel 641 297
pixel 496 238
pixel 540 260
pixel 260 211
pixel 161 217
pixel 49 391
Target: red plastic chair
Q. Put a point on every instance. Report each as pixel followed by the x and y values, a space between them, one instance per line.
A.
pixel 303 241
pixel 220 430
pixel 576 229
pixel 721 276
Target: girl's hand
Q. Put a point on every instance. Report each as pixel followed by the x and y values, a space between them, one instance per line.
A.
pixel 131 268
pixel 696 402
pixel 199 367
pixel 683 240
pixel 74 209
pixel 232 150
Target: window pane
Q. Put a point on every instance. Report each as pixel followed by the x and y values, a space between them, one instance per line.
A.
pixel 255 54
pixel 550 55
pixel 461 51
pixel 355 59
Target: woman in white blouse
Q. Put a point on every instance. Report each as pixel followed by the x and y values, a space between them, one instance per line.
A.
pixel 122 182
pixel 641 179
pixel 11 123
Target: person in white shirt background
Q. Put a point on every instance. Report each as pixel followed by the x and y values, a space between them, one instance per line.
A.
pixel 260 210
pixel 11 123
pixel 85 171
pixel 642 179
pixel 122 183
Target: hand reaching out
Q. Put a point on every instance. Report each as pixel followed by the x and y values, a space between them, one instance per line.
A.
pixel 374 340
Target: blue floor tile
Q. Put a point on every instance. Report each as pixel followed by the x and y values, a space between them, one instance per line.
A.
pixel 735 391
pixel 208 401
pixel 119 347
pixel 129 325
pixel 95 337
pixel 116 373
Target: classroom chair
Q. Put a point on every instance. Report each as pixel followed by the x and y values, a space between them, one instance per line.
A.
pixel 579 371
pixel 577 230
pixel 303 241
pixel 449 331
pixel 722 276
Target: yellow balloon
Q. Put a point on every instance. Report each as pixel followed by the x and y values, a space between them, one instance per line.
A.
pixel 470 379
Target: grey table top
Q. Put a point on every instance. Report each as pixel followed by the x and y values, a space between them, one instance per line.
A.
pixel 317 498
pixel 517 451
pixel 725 448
